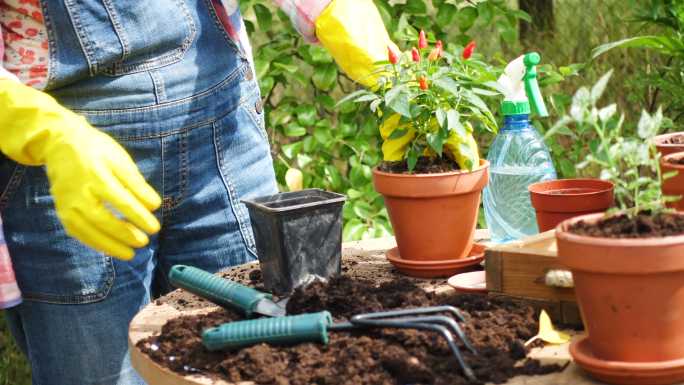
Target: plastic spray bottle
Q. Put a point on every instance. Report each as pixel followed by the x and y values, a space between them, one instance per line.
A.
pixel 518 156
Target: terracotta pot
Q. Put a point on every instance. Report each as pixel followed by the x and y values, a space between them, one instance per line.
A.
pixel 674 185
pixel 557 200
pixel 666 148
pixel 631 295
pixel 433 215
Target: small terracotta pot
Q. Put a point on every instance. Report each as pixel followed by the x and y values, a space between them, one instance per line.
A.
pixel 630 293
pixel 667 148
pixel 557 200
pixel 433 215
pixel 674 185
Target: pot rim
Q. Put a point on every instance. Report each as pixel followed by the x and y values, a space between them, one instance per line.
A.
pixel 658 139
pixel 675 155
pixel 564 234
pixel 483 164
pixel 608 186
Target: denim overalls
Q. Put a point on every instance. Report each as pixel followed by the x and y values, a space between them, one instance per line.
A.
pixel 165 80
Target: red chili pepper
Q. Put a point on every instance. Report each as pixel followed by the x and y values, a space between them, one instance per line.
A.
pixel 415 54
pixel 422 82
pixel 392 56
pixel 436 52
pixel 422 40
pixel 468 50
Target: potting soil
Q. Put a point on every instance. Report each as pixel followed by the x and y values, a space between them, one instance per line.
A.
pixel 496 327
pixel 644 225
pixel 675 160
pixel 675 139
pixel 424 165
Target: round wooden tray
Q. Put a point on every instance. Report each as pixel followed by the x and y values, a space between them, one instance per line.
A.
pixel 364 259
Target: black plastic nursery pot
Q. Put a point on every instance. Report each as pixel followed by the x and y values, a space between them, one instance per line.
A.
pixel 298 237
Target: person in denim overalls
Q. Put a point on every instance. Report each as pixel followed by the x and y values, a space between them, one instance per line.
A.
pixel 172 82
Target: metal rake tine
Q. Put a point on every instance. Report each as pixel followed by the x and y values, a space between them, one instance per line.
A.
pixel 448 321
pixel 419 310
pixel 392 323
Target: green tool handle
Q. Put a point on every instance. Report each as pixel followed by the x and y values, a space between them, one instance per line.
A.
pixel 311 327
pixel 219 290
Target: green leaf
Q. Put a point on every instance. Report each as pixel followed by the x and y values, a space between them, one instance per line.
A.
pixel 435 141
pixel 477 101
pixel 291 68
pixel 326 101
pixel 306 115
pixel 333 176
pixel 323 136
pixel 600 86
pixel 294 130
pixel 397 99
pixel 466 17
pixel 522 15
pixel 362 209
pixel 366 98
pixel 319 54
pixel 445 15
pixel 353 229
pixel 412 158
pixel 396 134
pixel 261 67
pixel 441 117
pixel 325 77
pixel 454 123
pixel 416 6
pixel 264 17
pixel 352 96
pixel 354 194
pixel 567 168
pixel 448 84
pixel 661 43
pixel 292 149
pixel 266 85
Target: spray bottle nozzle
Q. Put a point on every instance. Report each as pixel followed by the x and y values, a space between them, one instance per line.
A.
pixel 531 86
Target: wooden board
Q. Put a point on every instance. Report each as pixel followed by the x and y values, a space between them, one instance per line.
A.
pixel 517 270
pixel 360 259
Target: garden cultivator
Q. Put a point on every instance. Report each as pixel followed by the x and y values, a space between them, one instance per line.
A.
pixel 312 327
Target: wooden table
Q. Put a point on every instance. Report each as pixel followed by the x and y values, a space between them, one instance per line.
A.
pixel 360 259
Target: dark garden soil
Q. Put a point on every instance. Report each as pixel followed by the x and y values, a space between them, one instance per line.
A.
pixel 496 327
pixel 424 165
pixel 643 225
pixel 676 139
pixel 675 160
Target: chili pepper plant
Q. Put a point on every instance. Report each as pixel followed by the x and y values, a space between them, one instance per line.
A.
pixel 429 102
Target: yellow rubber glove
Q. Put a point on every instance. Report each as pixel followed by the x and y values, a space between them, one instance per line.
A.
pixel 353 32
pixel 89 172
pixel 393 149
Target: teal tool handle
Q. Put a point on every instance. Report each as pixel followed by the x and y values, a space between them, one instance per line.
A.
pixel 311 327
pixel 219 290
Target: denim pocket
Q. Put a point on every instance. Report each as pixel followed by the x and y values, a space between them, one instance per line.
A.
pixel 50 266
pixel 123 37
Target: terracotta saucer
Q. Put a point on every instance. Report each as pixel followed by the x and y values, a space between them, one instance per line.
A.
pixel 433 269
pixel 626 373
pixel 472 282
